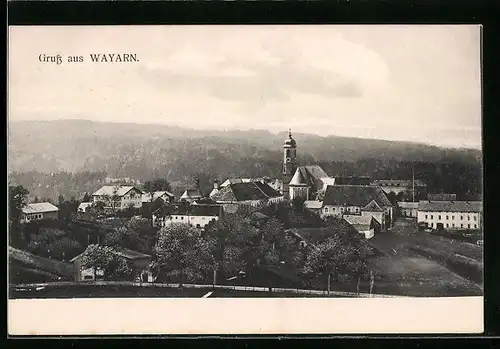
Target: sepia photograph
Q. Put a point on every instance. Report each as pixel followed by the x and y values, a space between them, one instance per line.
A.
pixel 271 167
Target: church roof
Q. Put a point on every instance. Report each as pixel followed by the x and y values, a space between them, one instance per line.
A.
pixel 290 142
pixel 312 175
pixel 298 178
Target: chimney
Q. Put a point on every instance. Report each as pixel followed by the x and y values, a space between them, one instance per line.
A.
pixel 216 184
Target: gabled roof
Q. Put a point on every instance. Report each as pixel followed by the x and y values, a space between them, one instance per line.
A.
pixel 111 190
pixel 361 223
pixel 122 252
pixel 39 207
pixel 315 171
pixel 407 205
pixel 240 180
pixel 450 206
pixel 355 195
pixel 156 195
pixel 313 176
pixel 191 194
pixel 245 192
pixel 373 207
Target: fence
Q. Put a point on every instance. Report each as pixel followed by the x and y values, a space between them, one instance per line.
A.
pixel 212 287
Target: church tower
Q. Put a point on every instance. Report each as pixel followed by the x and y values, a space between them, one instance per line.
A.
pixel 289 162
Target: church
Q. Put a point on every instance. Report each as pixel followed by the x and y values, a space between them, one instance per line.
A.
pixel 304 182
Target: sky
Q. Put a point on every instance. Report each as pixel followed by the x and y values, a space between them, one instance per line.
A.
pixel 410 83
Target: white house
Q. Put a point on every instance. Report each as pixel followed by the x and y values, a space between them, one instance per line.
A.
pixel 119 197
pixel 450 215
pixel 84 206
pixel 41 210
pixel 198 216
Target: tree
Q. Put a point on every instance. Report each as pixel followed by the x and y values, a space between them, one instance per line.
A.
pixel 342 257
pixel 180 253
pixel 113 199
pixel 18 198
pixel 53 243
pixel 113 266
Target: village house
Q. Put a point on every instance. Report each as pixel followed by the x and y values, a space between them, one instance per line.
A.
pixel 340 200
pixel 252 193
pixel 450 215
pixel 136 260
pixel 408 209
pixel 198 216
pixel 191 195
pixel 163 195
pixel 118 197
pixel 366 225
pixel 83 207
pixel 40 210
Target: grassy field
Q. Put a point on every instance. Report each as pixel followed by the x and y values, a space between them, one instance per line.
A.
pixel 420 264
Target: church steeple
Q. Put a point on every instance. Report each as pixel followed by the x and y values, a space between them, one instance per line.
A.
pixel 289 161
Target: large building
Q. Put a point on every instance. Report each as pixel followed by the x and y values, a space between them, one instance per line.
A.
pixel 198 216
pixel 450 215
pixel 408 209
pixel 118 197
pixel 36 211
pixel 340 200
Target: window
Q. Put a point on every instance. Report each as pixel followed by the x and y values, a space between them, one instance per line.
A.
pixel 447 226
pixel 333 209
pixel 475 218
pixel 468 226
pixel 475 226
pixel 453 225
pixel 447 217
pixel 326 209
pixel 425 216
pixel 461 218
pixel 439 217
pixel 452 217
pixel 182 217
pixel 432 225
pixel 432 216
pixel 198 226
pixel 468 218
pixel 461 225
pixel 176 217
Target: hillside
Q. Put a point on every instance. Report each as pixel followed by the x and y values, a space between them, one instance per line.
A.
pixel 149 151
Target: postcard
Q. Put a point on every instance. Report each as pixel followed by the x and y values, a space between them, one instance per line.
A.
pixel 232 179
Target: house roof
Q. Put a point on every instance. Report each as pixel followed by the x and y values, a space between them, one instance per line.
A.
pixel 407 205
pixel 84 205
pixel 110 190
pixel 355 195
pixel 239 180
pixel 373 207
pixel 313 204
pixel 39 207
pixel 191 194
pixel 244 192
pixel 41 263
pixel 450 206
pixel 122 252
pixel 398 183
pixel 198 210
pixel 259 215
pixel 156 195
pixel 361 223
